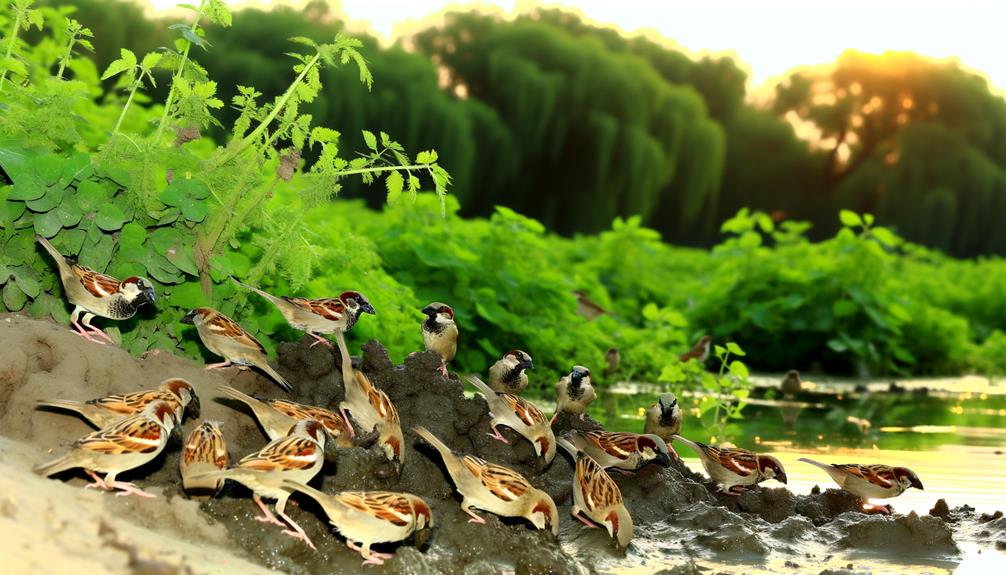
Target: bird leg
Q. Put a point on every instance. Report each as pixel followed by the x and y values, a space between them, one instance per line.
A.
pixel 370 557
pixel 129 489
pixel 589 524
pixel 84 333
pixel 222 364
pixel 443 368
pixel 349 424
pixel 319 339
pixel 267 516
pixel 86 321
pixel 474 518
pixel 295 531
pixel 99 483
pixel 496 435
pixel 734 491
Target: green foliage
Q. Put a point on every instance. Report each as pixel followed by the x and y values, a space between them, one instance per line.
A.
pixel 187 216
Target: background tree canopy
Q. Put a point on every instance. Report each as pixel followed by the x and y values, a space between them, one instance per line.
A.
pixel 574 124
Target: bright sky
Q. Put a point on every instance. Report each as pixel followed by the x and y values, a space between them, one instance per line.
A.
pixel 769 36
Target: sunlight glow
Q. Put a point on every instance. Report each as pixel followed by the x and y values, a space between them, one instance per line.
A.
pixel 771 36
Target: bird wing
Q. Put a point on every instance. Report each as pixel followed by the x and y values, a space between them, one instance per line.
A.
pixel 524 409
pixel 384 505
pixel 880 475
pixel 329 308
pixel 137 434
pixel 740 461
pixel 283 454
pixel 335 424
pixel 98 285
pixel 224 326
pixel 127 403
pixel 617 444
pixel 504 483
pixel 205 444
pixel 599 490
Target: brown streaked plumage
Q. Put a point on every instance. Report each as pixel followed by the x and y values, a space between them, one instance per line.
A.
pixel 440 333
pixel 734 468
pixel 519 415
pixel 204 450
pixel 622 450
pixel 372 409
pixel 598 497
pixel 277 416
pixel 104 411
pixel 875 481
pixel 700 352
pixel 224 337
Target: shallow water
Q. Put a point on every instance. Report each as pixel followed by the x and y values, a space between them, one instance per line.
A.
pixel 951 432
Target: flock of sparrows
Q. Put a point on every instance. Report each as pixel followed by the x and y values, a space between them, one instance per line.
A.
pixel 134 428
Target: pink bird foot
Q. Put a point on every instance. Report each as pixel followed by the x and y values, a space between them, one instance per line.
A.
pixel 319 339
pixel 474 518
pixel 220 365
pixel 496 435
pixel 86 334
pixel 126 489
pixel 267 516
pixel 585 522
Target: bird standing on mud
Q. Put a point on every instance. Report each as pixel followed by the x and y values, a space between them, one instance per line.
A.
pixel 700 352
pixel 870 481
pixel 509 374
pixel 596 495
pixel 278 416
pixel 519 415
pixel 97 295
pixel 323 315
pixel 372 409
pixel 663 418
pixel 105 411
pixel 621 450
pixel 574 392
pixel 494 488
pixel 205 450
pixel 440 333
pixel 224 337
pixel 733 468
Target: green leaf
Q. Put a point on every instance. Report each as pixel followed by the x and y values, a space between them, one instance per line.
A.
pixel 25 189
pixel 187 295
pixel 132 235
pixel 868 218
pixel 13 298
pixel 115 68
pixel 394 183
pixel 735 349
pixel 370 139
pixel 47 224
pixel 52 198
pixel 719 350
pixel 91 195
pixel 194 210
pixel 150 60
pixel 844 308
pixel 110 217
pixel 850 219
pixel 707 404
pixel 739 370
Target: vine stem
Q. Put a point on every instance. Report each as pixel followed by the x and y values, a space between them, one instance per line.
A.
pixel 125 107
pixel 10 46
pixel 69 54
pixel 230 153
pixel 178 75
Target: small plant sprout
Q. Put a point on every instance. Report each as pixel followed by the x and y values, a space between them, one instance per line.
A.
pixel 133 74
pixel 77 35
pixel 24 16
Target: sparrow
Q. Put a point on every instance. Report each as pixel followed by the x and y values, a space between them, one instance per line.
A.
pixel 573 393
pixel 224 337
pixel 519 415
pixel 870 481
pixel 278 416
pixel 97 295
pixel 104 411
pixel 734 468
pixel 699 352
pixel 586 306
pixel 508 374
pixel 598 497
pixel 622 450
pixel 124 445
pixel 663 418
pixel 440 333
pixel 204 450
pixel 612 357
pixel 372 409
pixel 315 316
pixel 494 488
pixel 370 517
pixel 791 384
pixel 298 457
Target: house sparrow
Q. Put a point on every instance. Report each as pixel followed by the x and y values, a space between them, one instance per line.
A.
pixel 663 418
pixel 573 392
pixel 104 411
pixel 372 409
pixel 586 306
pixel 314 316
pixel 97 295
pixel 870 481
pixel 494 488
pixel 298 457
pixel 519 415
pixel 791 384
pixel 734 468
pixel 204 450
pixel 613 358
pixel 508 374
pixel 370 517
pixel 224 337
pixel 622 450
pixel 277 416
pixel 124 445
pixel 598 497
pixel 440 333
pixel 699 352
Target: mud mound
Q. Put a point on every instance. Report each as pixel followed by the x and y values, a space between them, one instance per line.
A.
pixel 674 510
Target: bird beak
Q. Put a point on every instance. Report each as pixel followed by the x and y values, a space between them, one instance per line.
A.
pixel 664 459
pixel 528 365
pixel 917 483
pixel 150 295
pixel 188 317
pixel 781 478
pixel 367 308
pixel 429 311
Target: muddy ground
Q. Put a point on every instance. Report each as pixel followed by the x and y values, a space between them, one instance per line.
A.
pixel 677 515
